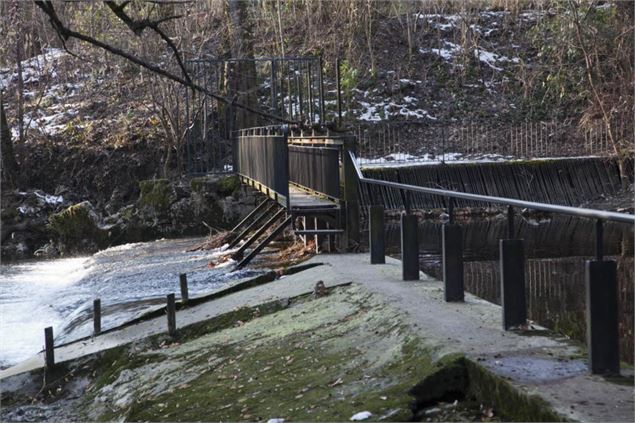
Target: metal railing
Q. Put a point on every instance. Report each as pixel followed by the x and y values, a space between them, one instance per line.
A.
pixel 550 208
pixel 385 143
pixel 262 159
pixel 600 275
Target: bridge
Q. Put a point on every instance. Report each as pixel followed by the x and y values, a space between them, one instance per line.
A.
pixel 313 185
pixel 311 181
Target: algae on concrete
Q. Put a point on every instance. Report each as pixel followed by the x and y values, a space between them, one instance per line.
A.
pixel 322 359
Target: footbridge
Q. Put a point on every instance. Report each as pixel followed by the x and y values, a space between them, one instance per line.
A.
pixel 310 185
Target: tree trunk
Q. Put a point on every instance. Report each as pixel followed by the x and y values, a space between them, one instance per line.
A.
pixel 9 165
pixel 241 76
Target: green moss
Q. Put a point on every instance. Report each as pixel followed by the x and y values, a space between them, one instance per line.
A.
pixel 75 224
pixel 228 185
pixel 311 359
pixel 156 194
pixel 197 184
pixel 508 403
pixel 324 359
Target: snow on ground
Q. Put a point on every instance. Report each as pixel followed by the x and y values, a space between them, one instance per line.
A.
pixel 384 109
pixel 405 159
pixel 33 69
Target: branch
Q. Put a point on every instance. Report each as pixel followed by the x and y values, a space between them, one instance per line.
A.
pixel 66 33
pixel 138 26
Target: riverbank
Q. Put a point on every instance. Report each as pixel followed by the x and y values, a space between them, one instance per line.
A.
pixel 280 350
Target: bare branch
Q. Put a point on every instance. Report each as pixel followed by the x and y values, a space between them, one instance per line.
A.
pixel 65 33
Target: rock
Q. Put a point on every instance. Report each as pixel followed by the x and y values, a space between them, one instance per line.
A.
pixel 320 290
pixel 78 229
pixel 49 250
pixel 362 415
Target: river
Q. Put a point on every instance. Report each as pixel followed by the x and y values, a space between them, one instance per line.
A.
pixel 129 280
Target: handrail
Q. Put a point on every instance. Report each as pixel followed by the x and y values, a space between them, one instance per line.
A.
pixel 552 208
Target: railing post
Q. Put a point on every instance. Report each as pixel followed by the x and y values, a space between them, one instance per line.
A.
pixel 97 316
pixel 409 247
pixel 510 222
pixel 171 310
pixel 351 196
pixel 49 348
pixel 602 316
pixel 512 272
pixel 452 250
pixel 185 296
pixel 377 244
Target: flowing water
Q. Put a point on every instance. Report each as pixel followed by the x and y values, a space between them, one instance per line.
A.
pixel 556 249
pixel 129 279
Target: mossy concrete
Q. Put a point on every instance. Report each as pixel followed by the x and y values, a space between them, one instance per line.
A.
pixel 319 359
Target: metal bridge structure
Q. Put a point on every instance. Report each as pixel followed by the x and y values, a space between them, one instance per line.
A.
pixel 311 183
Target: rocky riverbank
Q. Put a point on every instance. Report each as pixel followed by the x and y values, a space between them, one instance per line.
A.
pixel 40 224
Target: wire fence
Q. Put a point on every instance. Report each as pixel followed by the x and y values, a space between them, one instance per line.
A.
pixel 422 142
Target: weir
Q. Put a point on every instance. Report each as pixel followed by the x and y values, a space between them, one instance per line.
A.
pixel 566 181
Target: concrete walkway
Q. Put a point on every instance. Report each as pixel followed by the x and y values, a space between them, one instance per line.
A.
pixel 538 365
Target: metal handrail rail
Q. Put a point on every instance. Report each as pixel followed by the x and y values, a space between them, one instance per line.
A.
pixel 551 208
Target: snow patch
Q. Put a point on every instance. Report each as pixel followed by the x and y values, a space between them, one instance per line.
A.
pixel 33 69
pixel 50 199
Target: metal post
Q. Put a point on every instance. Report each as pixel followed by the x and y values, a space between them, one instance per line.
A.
pixel 49 348
pixel 377 244
pixel 510 222
pixel 450 211
pixel 409 247
pixel 339 92
pixel 97 316
pixel 452 250
pixel 171 310
pixel 351 197
pixel 599 240
pixel 512 271
pixel 185 296
pixel 602 317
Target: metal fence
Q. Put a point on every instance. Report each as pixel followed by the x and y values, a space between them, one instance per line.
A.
pixel 290 88
pixel 262 157
pixel 316 168
pixel 419 142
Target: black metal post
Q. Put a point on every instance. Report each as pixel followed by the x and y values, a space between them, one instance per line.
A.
pixel 510 222
pixel 450 210
pixel 49 348
pixel 512 271
pixel 409 247
pixel 452 249
pixel 185 295
pixel 599 240
pixel 377 244
pixel 171 310
pixel 97 316
pixel 602 317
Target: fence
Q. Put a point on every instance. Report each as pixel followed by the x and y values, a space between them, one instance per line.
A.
pixel 290 88
pixel 600 274
pixel 417 142
pixel 263 158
